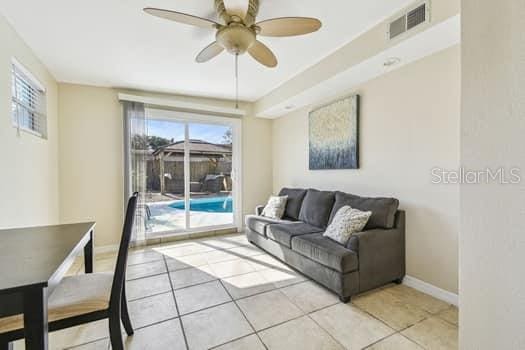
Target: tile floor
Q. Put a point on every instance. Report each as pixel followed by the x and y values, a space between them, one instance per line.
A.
pixel 223 293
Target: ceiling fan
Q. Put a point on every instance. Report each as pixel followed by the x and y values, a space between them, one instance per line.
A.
pixel 238 31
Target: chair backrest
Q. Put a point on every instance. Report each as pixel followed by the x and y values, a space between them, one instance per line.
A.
pixel 122 259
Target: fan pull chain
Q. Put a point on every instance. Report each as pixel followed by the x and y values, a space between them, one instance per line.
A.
pixel 237 80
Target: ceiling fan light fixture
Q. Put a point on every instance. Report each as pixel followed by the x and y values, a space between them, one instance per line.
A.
pixel 236 38
pixel 238 30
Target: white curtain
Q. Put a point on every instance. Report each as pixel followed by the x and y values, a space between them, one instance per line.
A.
pixel 135 150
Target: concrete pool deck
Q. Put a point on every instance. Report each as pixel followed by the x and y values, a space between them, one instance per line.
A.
pixel 165 218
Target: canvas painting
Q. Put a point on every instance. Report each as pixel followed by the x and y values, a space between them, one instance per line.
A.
pixel 334 141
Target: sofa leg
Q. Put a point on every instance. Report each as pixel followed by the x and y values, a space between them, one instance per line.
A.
pixel 398 281
pixel 344 300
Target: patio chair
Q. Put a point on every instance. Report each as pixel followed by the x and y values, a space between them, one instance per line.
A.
pixel 213 183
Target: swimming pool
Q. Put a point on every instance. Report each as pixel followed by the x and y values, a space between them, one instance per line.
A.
pixel 209 205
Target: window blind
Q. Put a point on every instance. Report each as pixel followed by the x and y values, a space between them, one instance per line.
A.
pixel 28 104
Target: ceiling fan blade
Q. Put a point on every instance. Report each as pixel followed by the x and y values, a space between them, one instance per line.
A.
pixel 209 52
pixel 263 54
pixel 288 26
pixel 181 17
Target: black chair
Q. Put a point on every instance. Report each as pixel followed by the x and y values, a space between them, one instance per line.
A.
pixel 86 298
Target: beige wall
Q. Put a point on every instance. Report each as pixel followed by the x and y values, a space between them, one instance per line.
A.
pixel 409 124
pixel 91 157
pixel 29 170
pixel 91 165
pixel 492 245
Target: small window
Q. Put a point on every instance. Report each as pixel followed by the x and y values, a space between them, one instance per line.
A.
pixel 28 104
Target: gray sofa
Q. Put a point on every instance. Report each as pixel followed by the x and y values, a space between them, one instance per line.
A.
pixel 370 259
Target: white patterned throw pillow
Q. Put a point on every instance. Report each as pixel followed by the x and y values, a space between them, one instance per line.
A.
pixel 275 207
pixel 346 222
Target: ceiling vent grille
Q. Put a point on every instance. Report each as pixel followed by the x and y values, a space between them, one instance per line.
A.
pixel 416 16
pixel 408 20
pixel 398 27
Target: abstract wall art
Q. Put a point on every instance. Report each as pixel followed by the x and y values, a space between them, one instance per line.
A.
pixel 334 135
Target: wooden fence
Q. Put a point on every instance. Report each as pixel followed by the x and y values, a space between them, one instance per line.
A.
pixel 174 173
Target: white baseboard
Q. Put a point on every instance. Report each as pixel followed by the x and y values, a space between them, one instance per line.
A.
pixel 432 290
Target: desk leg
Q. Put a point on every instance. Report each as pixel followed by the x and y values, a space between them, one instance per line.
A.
pixel 35 319
pixel 88 254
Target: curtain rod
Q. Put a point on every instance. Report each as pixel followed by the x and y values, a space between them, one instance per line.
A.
pixel 185 106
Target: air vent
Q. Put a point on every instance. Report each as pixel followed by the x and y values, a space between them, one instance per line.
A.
pixel 398 27
pixel 416 16
pixel 409 20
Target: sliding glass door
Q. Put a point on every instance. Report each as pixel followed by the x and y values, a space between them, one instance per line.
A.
pixel 210 173
pixel 192 173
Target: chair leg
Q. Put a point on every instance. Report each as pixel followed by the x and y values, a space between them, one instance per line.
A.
pixel 6 346
pixel 125 314
pixel 114 332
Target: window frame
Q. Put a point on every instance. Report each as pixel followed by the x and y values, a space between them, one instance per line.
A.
pixel 29 79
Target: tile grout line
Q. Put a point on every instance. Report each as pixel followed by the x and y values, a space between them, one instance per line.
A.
pixel 156 323
pixel 207 308
pixel 441 318
pixel 415 342
pixel 86 343
pixel 149 296
pixel 243 314
pixel 175 245
pixel 201 252
pixel 218 279
pixel 325 330
pixel 308 314
pixel 177 307
pixel 398 332
pixel 224 278
pixel 231 341
pixel 220 304
pixel 281 323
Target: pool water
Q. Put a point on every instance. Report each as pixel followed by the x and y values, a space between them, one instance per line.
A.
pixel 209 205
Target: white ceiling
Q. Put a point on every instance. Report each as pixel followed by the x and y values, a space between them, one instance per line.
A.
pixel 113 43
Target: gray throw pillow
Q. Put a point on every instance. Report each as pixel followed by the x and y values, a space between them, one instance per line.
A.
pixel 275 207
pixel 316 208
pixel 294 202
pixel 346 222
pixel 383 209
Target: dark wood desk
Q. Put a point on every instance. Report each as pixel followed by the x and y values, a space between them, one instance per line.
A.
pixel 32 262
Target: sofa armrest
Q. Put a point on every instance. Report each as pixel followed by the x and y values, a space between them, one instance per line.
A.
pixel 381 254
pixel 259 209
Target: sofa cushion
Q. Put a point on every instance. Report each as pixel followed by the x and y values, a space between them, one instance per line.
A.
pixel 258 223
pixel 295 200
pixel 316 208
pixel 383 209
pixel 283 233
pixel 326 252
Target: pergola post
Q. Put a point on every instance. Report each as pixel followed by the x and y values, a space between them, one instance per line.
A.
pixel 161 170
